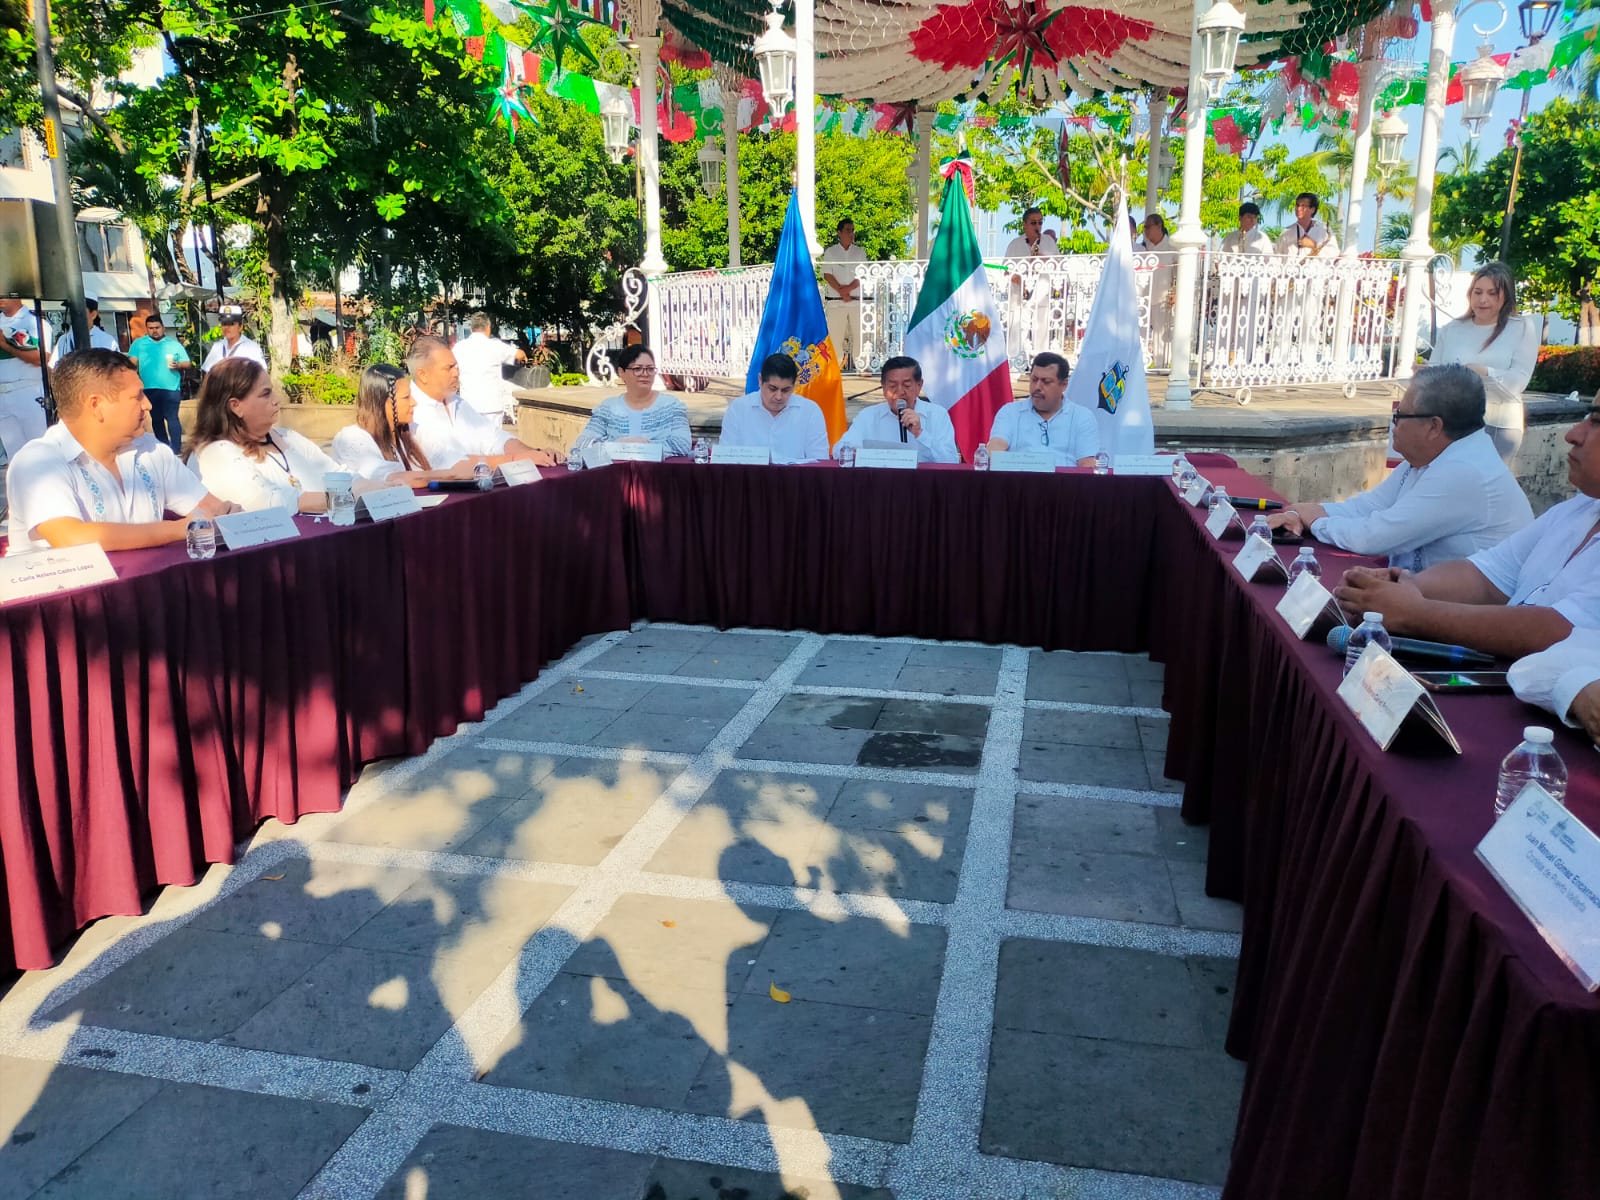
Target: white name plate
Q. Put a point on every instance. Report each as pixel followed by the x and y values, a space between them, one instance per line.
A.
pixel 635 451
pixel 1023 460
pixel 518 472
pixel 1304 602
pixel 40 572
pixel 1195 496
pixel 596 455
pixel 1142 464
pixel 1258 553
pixel 744 456
pixel 239 530
pixel 896 460
pixel 1382 695
pixel 1548 861
pixel 1221 517
pixel 385 504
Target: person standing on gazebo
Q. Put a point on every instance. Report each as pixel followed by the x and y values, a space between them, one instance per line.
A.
pixel 1030 296
pixel 841 295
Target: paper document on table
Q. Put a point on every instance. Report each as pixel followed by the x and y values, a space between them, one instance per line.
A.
pixel 1548 861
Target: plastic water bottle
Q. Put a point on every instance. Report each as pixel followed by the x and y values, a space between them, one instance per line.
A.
pixel 980 457
pixel 1370 630
pixel 483 476
pixel 847 456
pixel 1179 466
pixel 700 450
pixel 1305 563
pixel 200 539
pixel 1259 527
pixel 1187 476
pixel 341 506
pixel 1218 495
pixel 1102 463
pixel 1534 761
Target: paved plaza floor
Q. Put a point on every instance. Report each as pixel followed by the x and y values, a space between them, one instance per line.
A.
pixel 698 914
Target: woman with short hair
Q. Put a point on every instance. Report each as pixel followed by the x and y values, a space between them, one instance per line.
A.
pixel 640 414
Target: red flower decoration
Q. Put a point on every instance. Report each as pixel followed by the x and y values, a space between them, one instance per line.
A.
pixel 1344 81
pixel 969 35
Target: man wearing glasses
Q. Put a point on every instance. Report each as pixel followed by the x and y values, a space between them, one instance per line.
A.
pixel 901 420
pixel 1044 422
pixel 1450 498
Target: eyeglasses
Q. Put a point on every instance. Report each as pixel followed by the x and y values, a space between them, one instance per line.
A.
pixel 641 370
pixel 1044 431
pixel 1396 418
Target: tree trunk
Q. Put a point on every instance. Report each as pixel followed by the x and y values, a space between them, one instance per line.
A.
pixel 280 278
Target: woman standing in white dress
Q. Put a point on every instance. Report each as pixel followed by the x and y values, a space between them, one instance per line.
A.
pixel 1499 345
pixel 242 455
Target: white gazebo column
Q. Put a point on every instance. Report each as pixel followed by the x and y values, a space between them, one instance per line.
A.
pixel 1344 313
pixel 728 82
pixel 1190 234
pixel 805 117
pixel 646 18
pixel 1152 171
pixel 1419 249
pixel 924 177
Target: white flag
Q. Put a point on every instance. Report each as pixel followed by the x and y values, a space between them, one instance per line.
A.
pixel 1109 380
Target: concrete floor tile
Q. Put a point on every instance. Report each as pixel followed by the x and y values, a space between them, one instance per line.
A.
pixel 555 722
pixel 705 945
pixel 1100 992
pixel 1140 667
pixel 707 845
pixel 215 1144
pixel 1113 1106
pixel 456 1163
pixel 653 637
pixel 817 1066
pixel 1155 768
pixel 727 665
pixel 771 796
pixel 570 825
pixel 584 691
pixel 474 772
pixel 909 864
pixel 1093 766
pixel 1195 908
pixel 668 733
pixel 1080 729
pixel 1116 887
pixel 947 681
pixel 50 1114
pixel 835 712
pixel 858 962
pixel 1061 664
pixel 441 911
pixel 934 751
pixel 923 716
pixel 1214 982
pixel 641 659
pixel 307 901
pixel 1071 688
pixel 762 645
pixel 369 1006
pixel 1061 826
pixel 673 1179
pixel 436 819
pixel 692 700
pixel 612 1039
pixel 1146 693
pixel 863 804
pixel 1153 733
pixel 855 664
pixel 195 984
pixel 804 744
pixel 1179 839
pixel 960 658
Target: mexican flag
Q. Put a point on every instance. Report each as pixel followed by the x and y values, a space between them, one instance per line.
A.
pixel 955 331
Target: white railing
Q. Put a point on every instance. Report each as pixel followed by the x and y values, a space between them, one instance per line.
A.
pixel 1264 320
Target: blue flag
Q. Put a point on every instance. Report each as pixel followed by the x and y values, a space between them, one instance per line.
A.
pixel 792 323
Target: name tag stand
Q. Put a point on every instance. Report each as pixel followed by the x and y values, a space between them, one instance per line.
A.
pixel 1043 463
pixel 1195 494
pixel 1307 602
pixel 899 458
pixel 41 572
pixel 239 530
pixel 1383 696
pixel 1259 558
pixel 385 504
pixel 635 451
pixel 1548 861
pixel 1142 464
pixel 747 456
pixel 517 472
pixel 1223 518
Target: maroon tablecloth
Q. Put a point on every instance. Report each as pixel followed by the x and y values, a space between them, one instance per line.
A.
pixel 1409 1034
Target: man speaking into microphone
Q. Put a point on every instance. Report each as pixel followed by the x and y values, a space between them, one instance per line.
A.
pixel 901 420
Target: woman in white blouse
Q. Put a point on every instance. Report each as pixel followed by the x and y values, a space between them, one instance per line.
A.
pixel 1500 346
pixel 240 453
pixel 380 445
pixel 640 414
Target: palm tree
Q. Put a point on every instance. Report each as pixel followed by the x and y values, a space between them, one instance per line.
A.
pixel 1464 159
pixel 1398 181
pixel 1395 232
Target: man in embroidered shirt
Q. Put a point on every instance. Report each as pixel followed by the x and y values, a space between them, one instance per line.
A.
pixel 1516 598
pixel 927 426
pixel 791 426
pixel 480 357
pixel 449 430
pixel 233 343
pixel 1452 496
pixel 1044 422
pixel 98 476
pixel 1307 237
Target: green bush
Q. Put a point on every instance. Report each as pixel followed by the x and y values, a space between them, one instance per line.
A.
pixel 1564 369
pixel 323 385
pixel 568 380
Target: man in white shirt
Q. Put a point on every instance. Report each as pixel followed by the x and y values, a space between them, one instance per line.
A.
pixel 1034 241
pixel 22 344
pixel 791 426
pixel 1307 237
pixel 1029 298
pixel 1564 679
pixel 841 293
pixel 480 357
pixel 1044 422
pixel 99 339
pixel 901 420
pixel 233 343
pixel 1451 497
pixel 1516 598
pixel 449 430
pixel 97 476
pixel 1249 238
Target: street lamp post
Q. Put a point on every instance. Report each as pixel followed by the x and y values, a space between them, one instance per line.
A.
pixel 56 150
pixel 1538 18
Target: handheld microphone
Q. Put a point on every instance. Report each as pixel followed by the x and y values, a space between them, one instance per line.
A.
pixel 1255 503
pixel 1414 649
pixel 900 407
